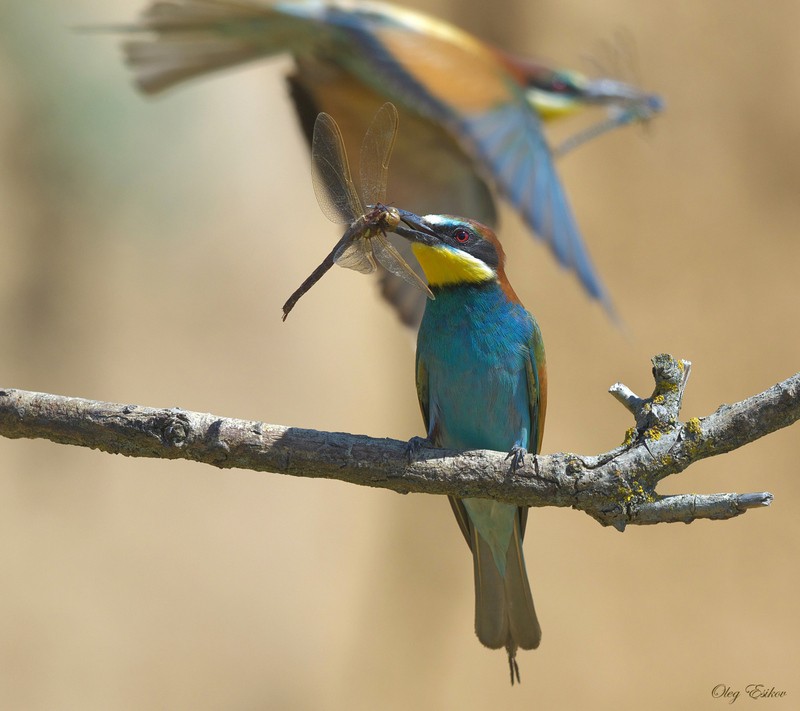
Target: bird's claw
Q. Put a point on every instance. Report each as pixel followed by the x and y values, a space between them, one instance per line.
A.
pixel 414 446
pixel 517 457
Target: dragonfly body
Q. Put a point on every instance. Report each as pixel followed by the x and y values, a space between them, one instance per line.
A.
pixel 469 110
pixel 354 249
pixel 372 225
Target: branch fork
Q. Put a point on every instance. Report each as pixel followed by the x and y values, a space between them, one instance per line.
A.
pixel 659 430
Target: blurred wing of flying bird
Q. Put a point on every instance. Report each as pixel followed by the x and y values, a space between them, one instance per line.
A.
pixel 471 113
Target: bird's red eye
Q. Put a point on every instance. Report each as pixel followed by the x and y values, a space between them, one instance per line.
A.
pixel 461 235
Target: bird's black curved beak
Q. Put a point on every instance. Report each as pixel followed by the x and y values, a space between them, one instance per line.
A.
pixel 415 229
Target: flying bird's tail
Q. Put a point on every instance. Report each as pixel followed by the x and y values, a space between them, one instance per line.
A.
pixel 188 38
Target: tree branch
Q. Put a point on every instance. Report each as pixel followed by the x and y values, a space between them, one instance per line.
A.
pixel 616 488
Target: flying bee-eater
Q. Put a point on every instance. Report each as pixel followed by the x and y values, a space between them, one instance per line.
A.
pixel 482 384
pixel 470 112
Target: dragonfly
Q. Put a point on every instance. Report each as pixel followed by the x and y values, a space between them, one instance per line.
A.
pixel 364 244
pixel 619 57
pixel 638 109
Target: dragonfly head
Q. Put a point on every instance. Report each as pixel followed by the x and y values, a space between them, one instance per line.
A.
pixel 384 217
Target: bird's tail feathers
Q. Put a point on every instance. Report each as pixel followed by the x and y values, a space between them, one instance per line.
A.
pixel 188 38
pixel 523 624
pixel 504 612
pixel 491 616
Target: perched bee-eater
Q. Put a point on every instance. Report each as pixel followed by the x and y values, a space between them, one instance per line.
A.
pixel 482 384
pixel 469 111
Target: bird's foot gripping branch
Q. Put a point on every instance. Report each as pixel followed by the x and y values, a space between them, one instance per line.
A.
pixel 616 488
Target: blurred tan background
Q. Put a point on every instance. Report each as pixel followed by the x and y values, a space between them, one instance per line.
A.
pixel 145 250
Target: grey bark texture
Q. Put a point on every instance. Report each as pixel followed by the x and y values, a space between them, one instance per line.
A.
pixel 616 488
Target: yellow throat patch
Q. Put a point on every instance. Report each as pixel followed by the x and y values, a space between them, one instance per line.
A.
pixel 551 107
pixel 445 266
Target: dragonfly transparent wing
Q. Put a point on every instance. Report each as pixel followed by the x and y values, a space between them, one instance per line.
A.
pixel 357 255
pixel 390 258
pixel 376 150
pixel 330 173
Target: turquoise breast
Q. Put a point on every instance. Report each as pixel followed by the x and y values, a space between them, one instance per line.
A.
pixel 473 343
